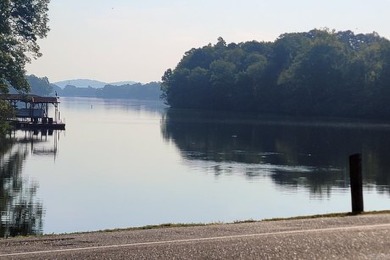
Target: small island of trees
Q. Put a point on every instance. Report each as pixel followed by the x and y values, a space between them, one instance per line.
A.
pixel 315 73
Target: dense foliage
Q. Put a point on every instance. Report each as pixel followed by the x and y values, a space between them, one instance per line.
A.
pixel 319 72
pixel 40 86
pixel 22 23
pixel 5 112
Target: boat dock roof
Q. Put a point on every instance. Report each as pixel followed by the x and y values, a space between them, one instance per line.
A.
pixel 28 98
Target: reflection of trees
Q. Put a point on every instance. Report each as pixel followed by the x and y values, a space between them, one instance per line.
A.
pixel 148 106
pixel 300 153
pixel 21 214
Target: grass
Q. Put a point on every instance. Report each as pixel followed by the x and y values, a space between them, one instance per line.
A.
pixel 178 225
pixel 175 225
pixel 331 215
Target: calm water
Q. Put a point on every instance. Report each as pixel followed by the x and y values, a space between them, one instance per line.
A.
pixel 127 163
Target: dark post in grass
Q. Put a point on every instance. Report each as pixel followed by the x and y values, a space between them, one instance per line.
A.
pixel 355 174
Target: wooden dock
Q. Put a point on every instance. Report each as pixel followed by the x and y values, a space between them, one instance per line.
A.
pixel 31 112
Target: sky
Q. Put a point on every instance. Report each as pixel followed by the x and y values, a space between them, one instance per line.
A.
pixel 138 40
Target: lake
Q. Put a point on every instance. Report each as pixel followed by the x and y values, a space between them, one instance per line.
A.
pixel 127 163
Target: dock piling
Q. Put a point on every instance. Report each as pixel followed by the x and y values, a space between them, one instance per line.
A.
pixel 356 180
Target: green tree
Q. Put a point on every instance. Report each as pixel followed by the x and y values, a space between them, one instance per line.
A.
pixel 320 72
pixel 5 112
pixel 39 86
pixel 222 80
pixel 315 75
pixel 22 23
pixel 201 57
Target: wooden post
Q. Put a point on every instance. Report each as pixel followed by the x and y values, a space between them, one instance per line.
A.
pixel 356 179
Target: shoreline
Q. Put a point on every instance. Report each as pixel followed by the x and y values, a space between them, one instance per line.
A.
pixel 183 225
pixel 347 236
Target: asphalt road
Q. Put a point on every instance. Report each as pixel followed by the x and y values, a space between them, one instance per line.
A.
pixel 354 237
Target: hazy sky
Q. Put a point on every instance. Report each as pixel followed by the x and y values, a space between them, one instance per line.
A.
pixel 138 40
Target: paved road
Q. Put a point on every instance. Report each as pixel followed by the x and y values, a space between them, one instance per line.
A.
pixel 355 237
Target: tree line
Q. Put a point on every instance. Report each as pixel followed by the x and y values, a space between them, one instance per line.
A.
pixel 320 72
pixel 42 87
pixel 149 91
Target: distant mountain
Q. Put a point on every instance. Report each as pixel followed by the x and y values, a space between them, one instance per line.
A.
pixel 81 83
pixel 85 83
pixel 121 83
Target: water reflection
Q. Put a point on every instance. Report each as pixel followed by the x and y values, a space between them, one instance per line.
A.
pixel 21 211
pixel 148 106
pixel 304 153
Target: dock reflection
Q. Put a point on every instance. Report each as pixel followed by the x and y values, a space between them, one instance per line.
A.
pixel 21 211
pixel 42 142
